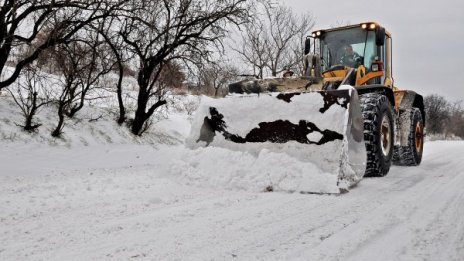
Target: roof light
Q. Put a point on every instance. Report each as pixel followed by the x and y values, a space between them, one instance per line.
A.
pixel 364 26
pixel 314 34
pixel 372 26
pixel 318 33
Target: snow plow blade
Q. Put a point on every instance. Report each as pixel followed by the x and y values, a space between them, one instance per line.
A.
pixel 322 128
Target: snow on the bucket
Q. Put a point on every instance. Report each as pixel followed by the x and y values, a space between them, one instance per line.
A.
pixel 336 162
pixel 241 114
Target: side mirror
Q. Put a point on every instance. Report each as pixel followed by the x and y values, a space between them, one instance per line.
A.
pixel 380 36
pixel 307 46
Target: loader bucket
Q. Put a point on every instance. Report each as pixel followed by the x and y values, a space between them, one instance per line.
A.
pixel 324 128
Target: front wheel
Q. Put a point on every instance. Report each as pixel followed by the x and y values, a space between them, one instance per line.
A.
pixel 378 133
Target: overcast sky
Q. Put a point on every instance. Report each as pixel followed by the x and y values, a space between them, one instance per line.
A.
pixel 428 38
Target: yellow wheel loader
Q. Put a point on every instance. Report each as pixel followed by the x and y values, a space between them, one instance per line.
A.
pixel 344 114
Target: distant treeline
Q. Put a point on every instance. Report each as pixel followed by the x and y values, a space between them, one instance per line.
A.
pixel 444 117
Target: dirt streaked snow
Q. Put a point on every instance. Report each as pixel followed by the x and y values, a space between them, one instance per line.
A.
pixel 92 198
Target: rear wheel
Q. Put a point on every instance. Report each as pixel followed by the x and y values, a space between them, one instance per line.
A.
pixel 378 133
pixel 411 154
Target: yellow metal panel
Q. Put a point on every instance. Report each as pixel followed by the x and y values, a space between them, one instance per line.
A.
pixel 398 97
pixel 337 73
pixel 370 75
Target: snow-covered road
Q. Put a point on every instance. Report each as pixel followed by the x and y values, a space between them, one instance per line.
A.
pixel 126 208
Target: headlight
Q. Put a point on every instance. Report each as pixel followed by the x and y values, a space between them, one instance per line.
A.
pixel 374 67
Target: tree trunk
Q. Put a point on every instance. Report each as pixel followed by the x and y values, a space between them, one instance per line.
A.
pixel 28 122
pixel 274 71
pixel 57 132
pixel 140 114
pixel 4 54
pixel 139 121
pixel 122 110
pixel 116 52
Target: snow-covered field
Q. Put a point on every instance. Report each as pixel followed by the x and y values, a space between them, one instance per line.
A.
pixel 101 194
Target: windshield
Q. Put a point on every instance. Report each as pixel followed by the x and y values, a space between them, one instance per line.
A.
pixel 351 47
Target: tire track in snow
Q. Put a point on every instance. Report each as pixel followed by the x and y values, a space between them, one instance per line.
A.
pixel 333 227
pixel 386 232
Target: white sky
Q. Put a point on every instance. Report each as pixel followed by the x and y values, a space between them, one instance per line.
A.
pixel 428 38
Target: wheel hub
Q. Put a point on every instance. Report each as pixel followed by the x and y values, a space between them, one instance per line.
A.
pixel 419 137
pixel 385 135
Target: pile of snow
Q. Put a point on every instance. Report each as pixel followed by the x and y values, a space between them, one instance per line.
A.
pixel 339 162
pixel 234 170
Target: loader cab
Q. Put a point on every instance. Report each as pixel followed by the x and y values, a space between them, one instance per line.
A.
pixel 367 45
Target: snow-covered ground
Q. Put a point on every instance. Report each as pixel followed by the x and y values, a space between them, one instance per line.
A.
pixel 101 194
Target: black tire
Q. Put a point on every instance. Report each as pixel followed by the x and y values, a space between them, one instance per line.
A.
pixel 411 154
pixel 378 133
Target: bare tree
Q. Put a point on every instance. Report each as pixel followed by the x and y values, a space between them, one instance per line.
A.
pixel 456 120
pixel 437 113
pixel 81 63
pixel 217 76
pixel 172 75
pixel 30 94
pixel 275 40
pixel 444 117
pixel 253 51
pixel 92 67
pixel 459 126
pixel 285 29
pixel 52 22
pixel 159 32
pixel 117 46
pixel 70 68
